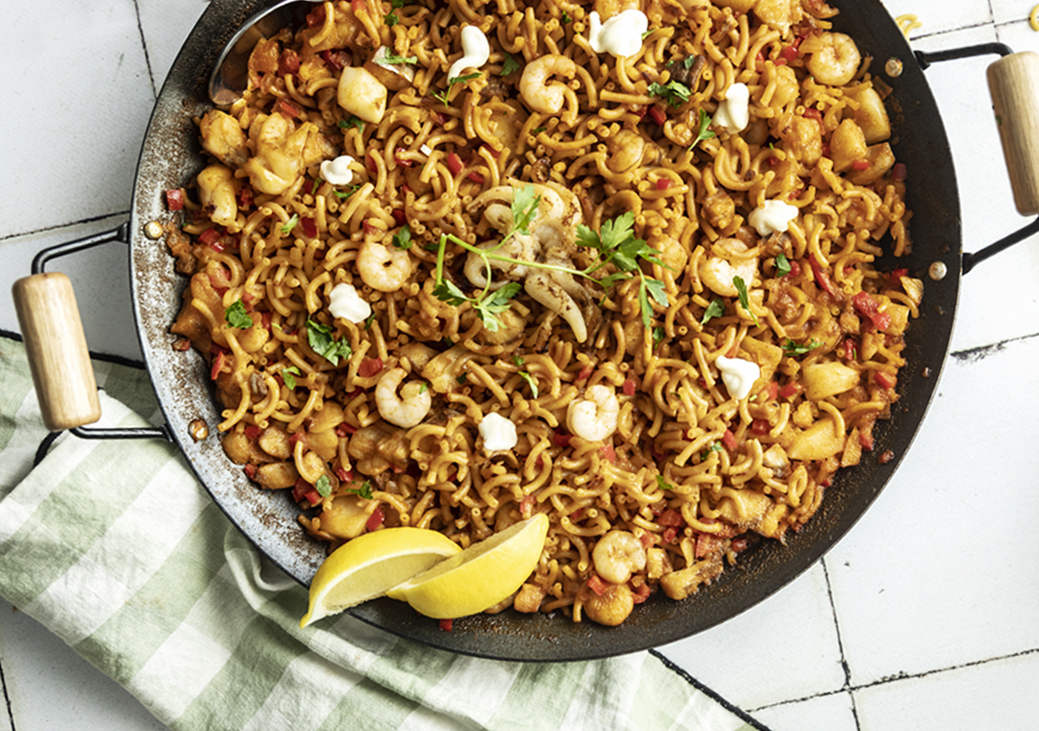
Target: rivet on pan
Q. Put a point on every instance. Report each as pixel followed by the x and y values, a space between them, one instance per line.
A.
pixel 153 230
pixel 198 429
pixel 938 270
pixel 893 68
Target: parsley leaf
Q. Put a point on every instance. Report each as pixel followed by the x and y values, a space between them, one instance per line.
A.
pixel 705 132
pixel 509 65
pixel 655 289
pixel 344 194
pixel 715 309
pixel 323 486
pixel 319 337
pixel 689 62
pixel 794 349
pixel 364 491
pixel 524 208
pixel 287 375
pixel 565 19
pixel 741 290
pixel 354 122
pixel 287 227
pixel 488 308
pixel 402 239
pixel 447 291
pixel 707 452
pixel 531 382
pixel 659 334
pixel 674 92
pixel 663 484
pixel 393 59
pixel 445 95
pixel 782 265
pixel 237 317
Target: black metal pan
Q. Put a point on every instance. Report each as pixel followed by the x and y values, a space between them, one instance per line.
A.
pixel 170 158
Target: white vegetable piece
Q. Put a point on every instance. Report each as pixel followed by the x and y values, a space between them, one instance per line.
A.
pixel 774 216
pixel 338 171
pixel 738 375
pixel 475 51
pixel 361 94
pixel 619 36
pixel 733 114
pixel 498 433
pixel 345 302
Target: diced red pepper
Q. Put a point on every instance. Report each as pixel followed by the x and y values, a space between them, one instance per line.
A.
pixel 253 432
pixel 400 159
pixel 772 390
pixel 790 390
pixel 337 60
pixel 821 277
pixel 175 199
pixel 596 584
pixel 866 440
pixel 639 112
pixel 375 519
pixel 729 440
pixel 585 373
pixel 218 364
pixel 288 62
pixel 648 540
pixel 850 349
pixel 759 427
pixel 476 177
pixel 210 236
pixel 357 5
pixel 562 439
pixel 295 437
pixel 790 53
pixel 813 113
pixel 795 270
pixel 454 163
pixel 706 544
pixel 895 277
pixel 658 115
pixel 663 183
pixel 245 197
pixel 303 490
pixel 641 594
pixel 668 535
pixel 883 379
pixel 369 228
pixel 345 430
pixel 609 454
pixel 250 470
pixel 369 162
pixel 369 367
pixel 671 518
pixel 899 171
pixel 494 153
pixel 868 308
pixel 860 165
pixel 309 226
pixel 288 108
pixel 447 624
pixel 628 389
pixel 400 216
pixel 344 475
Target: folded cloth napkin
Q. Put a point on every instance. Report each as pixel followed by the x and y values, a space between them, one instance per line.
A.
pixel 116 548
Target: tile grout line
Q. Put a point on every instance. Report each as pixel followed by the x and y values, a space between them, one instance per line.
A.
pixel 7 698
pixel 144 47
pixel 840 645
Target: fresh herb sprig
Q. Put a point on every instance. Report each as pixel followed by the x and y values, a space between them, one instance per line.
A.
pixel 319 337
pixel 674 92
pixel 741 291
pixel 444 96
pixel 237 317
pixel 705 132
pixel 794 348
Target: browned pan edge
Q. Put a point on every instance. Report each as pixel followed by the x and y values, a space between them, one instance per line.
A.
pixel 170 158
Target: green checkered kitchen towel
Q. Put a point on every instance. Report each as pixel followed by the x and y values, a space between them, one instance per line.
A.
pixel 116 548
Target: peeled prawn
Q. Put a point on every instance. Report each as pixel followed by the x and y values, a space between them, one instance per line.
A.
pixel 618 555
pixel 595 416
pixel 833 58
pixel 408 409
pixel 384 268
pixel 537 92
pixel 719 272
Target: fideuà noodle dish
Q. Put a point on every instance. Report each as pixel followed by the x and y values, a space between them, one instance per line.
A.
pixel 454 265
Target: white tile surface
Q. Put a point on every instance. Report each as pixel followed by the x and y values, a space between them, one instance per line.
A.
pixel 922 615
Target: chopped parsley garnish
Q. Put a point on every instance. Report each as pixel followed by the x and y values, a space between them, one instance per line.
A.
pixel 707 452
pixel 674 92
pixel 319 337
pixel 354 122
pixel 689 62
pixel 659 334
pixel 364 491
pixel 237 317
pixel 663 484
pixel 286 228
pixel 531 382
pixel 368 321
pixel 445 95
pixel 565 19
pixel 348 191
pixel 402 239
pixel 287 375
pixel 538 130
pixel 795 349
pixel 715 309
pixel 393 59
pixel 705 132
pixel 741 290
pixel 782 265
pixel 323 486
pixel 391 18
pixel 509 65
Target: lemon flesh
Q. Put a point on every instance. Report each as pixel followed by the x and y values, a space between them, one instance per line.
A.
pixel 480 576
pixel 369 565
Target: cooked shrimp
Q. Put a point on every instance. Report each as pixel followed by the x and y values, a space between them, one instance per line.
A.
pixel 719 272
pixel 540 95
pixel 595 416
pixel 408 409
pixel 618 555
pixel 611 607
pixel 833 58
pixel 383 267
pixel 626 149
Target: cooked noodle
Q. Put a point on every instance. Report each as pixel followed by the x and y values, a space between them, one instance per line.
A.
pixel 625 425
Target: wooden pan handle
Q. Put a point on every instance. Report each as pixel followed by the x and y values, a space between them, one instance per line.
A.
pixel 1014 85
pixel 57 350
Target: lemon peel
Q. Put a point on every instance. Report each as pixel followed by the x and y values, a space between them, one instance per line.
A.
pixel 371 564
pixel 479 577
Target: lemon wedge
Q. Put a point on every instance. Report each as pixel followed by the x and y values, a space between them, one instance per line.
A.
pixel 369 565
pixel 480 576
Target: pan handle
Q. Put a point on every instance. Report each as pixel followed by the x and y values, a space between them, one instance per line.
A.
pixel 56 345
pixel 1013 82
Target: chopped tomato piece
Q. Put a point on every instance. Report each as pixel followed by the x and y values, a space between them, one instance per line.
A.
pixel 447 624
pixel 821 277
pixel 899 171
pixel 369 228
pixel 475 177
pixel 402 161
pixel 759 427
pixel 729 440
pixel 303 490
pixel 357 5
pixel 795 270
pixel 738 544
pixel 245 197
pixel 210 236
pixel 454 163
pixel 316 17
pixel 345 430
pixel 790 390
pixel 772 390
pixel 218 365
pixel 526 505
pixel 663 183
pixel 369 367
pixel 706 544
pixel 851 350
pixel 309 226
pixel 400 216
pixel 628 389
pixel 175 199
pixel 585 373
pixel 648 539
pixel 609 454
pixel 668 535
pixel 866 440
pixel 288 62
pixel 288 108
pixel 860 165
pixel 344 475
pixel 671 518
pixel 253 432
pixel 369 162
pixel 295 437
pixel 641 594
pixel 883 379
pixel 789 53
pixel 562 439
pixel 250 470
pixel 375 519
pixel 868 308
pixel 596 584
pixel 658 115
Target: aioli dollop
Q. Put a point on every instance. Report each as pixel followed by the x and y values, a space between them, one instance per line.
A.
pixel 345 302
pixel 338 171
pixel 738 375
pixel 733 113
pixel 773 217
pixel 498 433
pixel 619 36
pixel 475 52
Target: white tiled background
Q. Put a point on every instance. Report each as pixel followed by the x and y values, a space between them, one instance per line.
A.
pixel 926 616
